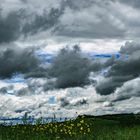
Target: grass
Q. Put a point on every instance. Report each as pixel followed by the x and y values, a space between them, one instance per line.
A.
pixel 109 127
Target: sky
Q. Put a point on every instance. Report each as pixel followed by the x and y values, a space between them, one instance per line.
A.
pixel 32 33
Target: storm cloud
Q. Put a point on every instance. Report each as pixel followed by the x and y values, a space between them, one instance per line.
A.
pixel 70 68
pixel 124 69
pixel 9 27
pixel 17 60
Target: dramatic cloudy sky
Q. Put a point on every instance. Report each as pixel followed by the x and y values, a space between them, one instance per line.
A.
pixel 33 31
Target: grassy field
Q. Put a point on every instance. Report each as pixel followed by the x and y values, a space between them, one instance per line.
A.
pixel 109 127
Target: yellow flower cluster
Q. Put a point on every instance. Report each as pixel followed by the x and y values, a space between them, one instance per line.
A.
pixel 67 128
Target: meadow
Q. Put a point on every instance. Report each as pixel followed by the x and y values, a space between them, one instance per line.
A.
pixel 108 127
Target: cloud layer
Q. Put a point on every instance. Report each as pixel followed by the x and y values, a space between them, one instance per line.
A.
pixel 67 18
pixel 66 102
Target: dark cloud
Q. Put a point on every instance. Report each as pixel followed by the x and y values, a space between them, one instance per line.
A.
pixel 9 27
pixel 108 85
pixel 122 70
pixel 130 47
pixel 21 23
pixel 70 68
pixel 17 60
pixel 42 22
pixel 130 66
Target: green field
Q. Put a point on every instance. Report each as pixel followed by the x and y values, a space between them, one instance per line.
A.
pixel 109 127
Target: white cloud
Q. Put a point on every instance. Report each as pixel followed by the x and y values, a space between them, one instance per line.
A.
pixel 90 45
pixel 38 105
pixel 128 90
